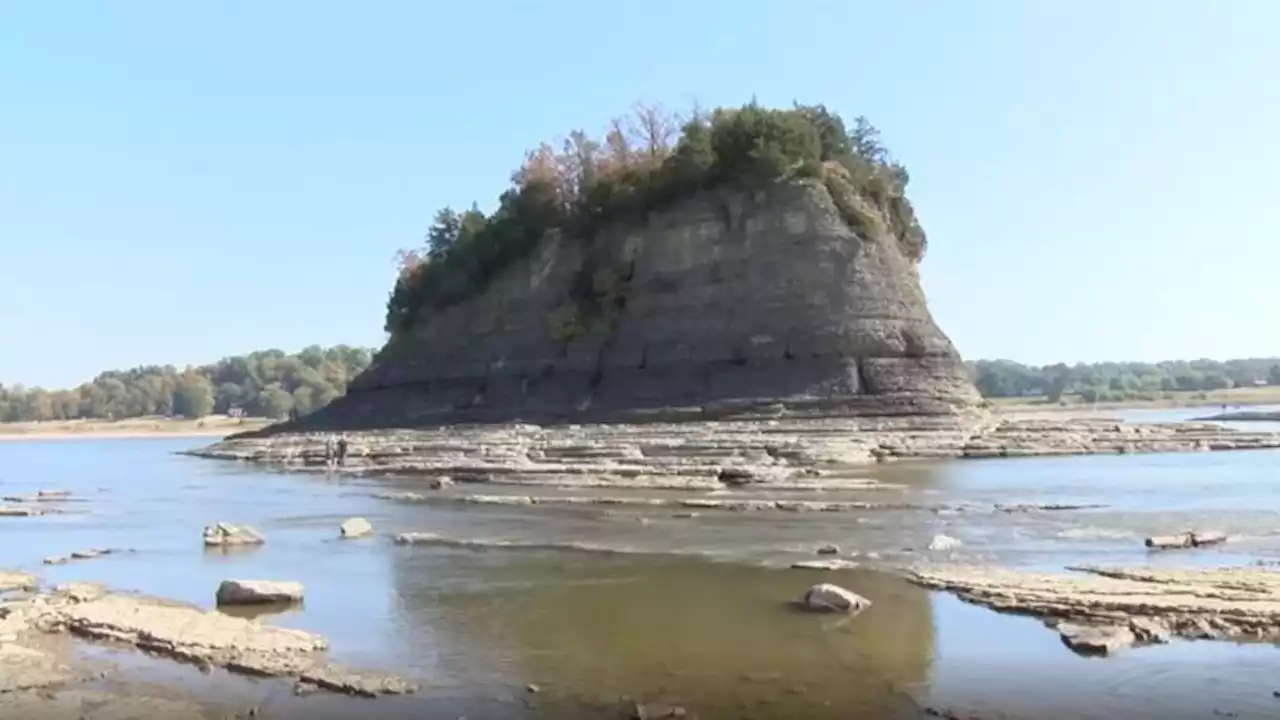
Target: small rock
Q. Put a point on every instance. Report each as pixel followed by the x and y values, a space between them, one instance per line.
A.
pixel 305 688
pixel 686 515
pixel 832 564
pixel 826 597
pixel 225 534
pixel 532 688
pixel 656 711
pixel 53 494
pixel 828 550
pixel 254 592
pixel 944 543
pixel 735 476
pixel 443 482
pixel 355 527
pixel 1095 639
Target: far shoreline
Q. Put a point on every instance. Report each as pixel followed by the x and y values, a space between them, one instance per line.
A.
pixel 212 426
pixel 218 426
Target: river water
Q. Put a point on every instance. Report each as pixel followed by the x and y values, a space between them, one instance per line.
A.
pixel 687 611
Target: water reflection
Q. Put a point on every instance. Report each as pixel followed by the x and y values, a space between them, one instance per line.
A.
pixel 720 640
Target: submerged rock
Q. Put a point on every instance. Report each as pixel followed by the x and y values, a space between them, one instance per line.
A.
pixel 80 555
pixel 827 550
pixel 1096 639
pixel 258 592
pixel 1185 540
pixel 355 527
pixel 226 534
pixel 832 564
pixel 826 597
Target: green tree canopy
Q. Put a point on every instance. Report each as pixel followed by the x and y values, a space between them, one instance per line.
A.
pixel 268 383
pixel 644 163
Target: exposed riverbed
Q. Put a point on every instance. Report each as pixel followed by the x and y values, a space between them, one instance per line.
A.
pixel 674 606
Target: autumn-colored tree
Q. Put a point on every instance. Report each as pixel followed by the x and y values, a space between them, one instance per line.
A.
pixel 645 161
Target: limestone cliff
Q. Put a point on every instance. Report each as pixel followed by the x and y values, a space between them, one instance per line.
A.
pixel 794 299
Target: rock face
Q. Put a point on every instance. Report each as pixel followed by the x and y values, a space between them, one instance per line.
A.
pixel 733 303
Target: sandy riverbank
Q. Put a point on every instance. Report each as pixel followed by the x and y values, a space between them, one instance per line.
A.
pixel 211 426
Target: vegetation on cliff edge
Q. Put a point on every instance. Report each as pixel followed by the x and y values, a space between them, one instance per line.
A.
pixel 268 383
pixel 644 163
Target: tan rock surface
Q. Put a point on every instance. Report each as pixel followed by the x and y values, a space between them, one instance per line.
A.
pixel 1230 602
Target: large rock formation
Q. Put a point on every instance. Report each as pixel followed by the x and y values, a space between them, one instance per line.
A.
pixel 797 299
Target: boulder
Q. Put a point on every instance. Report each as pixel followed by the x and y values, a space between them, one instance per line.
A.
pixel 258 592
pixel 355 527
pixel 224 534
pixel 826 597
pixel 828 550
pixel 443 482
pixel 943 543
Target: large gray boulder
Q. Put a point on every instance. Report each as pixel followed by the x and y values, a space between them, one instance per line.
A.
pixel 258 592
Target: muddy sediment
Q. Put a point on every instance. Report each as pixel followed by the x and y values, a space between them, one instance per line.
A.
pixel 789 454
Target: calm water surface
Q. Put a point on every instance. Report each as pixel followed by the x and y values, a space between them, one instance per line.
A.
pixel 690 612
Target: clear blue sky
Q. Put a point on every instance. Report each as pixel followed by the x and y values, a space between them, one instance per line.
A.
pixel 181 181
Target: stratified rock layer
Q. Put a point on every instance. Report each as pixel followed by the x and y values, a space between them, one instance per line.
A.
pixel 800 454
pixel 733 303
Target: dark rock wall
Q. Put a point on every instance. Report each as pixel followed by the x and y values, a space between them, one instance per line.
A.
pixel 732 303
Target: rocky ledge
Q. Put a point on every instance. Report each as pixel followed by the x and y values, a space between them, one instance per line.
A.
pixel 164 628
pixel 1101 610
pixel 773 454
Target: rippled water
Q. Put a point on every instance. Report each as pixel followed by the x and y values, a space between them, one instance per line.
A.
pixel 658 622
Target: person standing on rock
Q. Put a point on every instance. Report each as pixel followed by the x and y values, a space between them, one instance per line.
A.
pixel 330 450
pixel 342 450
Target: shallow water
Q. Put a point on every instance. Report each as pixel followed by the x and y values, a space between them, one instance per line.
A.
pixel 656 621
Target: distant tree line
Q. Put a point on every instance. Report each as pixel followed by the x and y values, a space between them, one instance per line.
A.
pixel 643 163
pixel 1118 381
pixel 268 383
